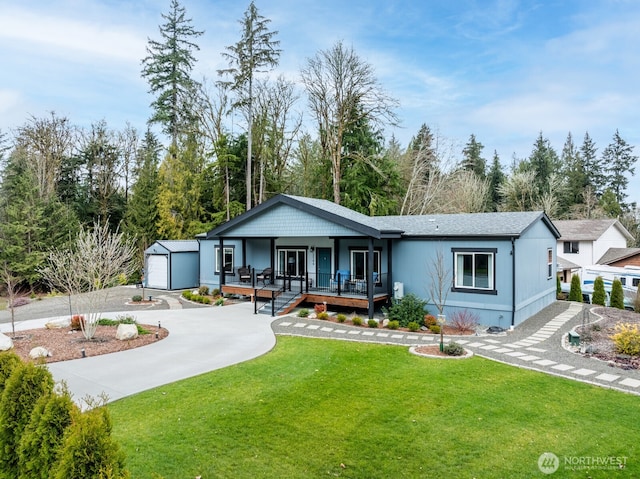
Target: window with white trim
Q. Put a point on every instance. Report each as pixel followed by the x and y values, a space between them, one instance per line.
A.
pixel 359 263
pixel 292 261
pixel 571 247
pixel 228 259
pixel 549 263
pixel 474 270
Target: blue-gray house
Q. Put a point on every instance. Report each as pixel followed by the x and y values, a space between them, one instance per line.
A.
pixel 292 249
pixel 172 264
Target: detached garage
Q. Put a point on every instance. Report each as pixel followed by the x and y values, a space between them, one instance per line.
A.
pixel 172 265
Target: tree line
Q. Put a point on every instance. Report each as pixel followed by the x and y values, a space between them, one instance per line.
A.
pixel 197 171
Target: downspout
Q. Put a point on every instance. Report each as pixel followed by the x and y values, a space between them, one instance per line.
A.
pixel 222 276
pixel 513 280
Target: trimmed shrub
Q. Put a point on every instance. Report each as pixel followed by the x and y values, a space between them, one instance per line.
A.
pixel 303 313
pixel 40 443
pixel 88 451
pixel 137 298
pixel 558 287
pixel 356 321
pixel 203 290
pixel 435 329
pixel 453 349
pixel 187 295
pixel 408 309
pixel 323 315
pixel 77 322
pixel 215 292
pixel 341 318
pixel 430 320
pixel 636 301
pixel 617 294
pixel 8 362
pixel 372 323
pixel 219 302
pixel 26 385
pixel 627 339
pixel 599 296
pixel 393 324
pixel 575 293
pixel 413 326
pixel 464 321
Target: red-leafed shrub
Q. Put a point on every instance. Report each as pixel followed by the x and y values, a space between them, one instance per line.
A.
pixel 319 308
pixel 464 321
pixel 77 322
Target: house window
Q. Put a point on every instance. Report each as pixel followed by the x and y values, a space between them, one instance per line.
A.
pixel 571 247
pixel 359 263
pixel 474 270
pixel 636 282
pixel 228 259
pixel 292 262
pixel 549 263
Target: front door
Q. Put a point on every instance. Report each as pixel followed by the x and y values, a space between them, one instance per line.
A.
pixel 324 267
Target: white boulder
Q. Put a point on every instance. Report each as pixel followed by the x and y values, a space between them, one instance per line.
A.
pixel 6 343
pixel 59 323
pixel 39 352
pixel 126 332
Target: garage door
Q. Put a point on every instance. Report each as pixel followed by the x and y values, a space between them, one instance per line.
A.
pixel 157 272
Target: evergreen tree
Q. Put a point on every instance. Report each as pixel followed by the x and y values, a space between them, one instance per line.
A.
pixel 592 165
pixel 42 439
pixel 254 52
pixel 610 205
pixel 168 67
pixel 574 172
pixel 496 179
pixel 617 294
pixel 619 161
pixel 599 295
pixel 575 293
pixel 473 160
pixel 27 383
pixel 8 362
pixel 543 162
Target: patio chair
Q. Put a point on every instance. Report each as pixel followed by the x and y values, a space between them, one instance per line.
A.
pixel 342 275
pixel 265 276
pixel 361 284
pixel 245 274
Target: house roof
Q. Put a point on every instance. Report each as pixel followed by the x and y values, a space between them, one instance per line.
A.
pixel 180 246
pixel 566 264
pixel 511 224
pixel 588 230
pixel 617 254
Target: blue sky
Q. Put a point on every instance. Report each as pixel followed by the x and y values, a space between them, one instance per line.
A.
pixel 503 70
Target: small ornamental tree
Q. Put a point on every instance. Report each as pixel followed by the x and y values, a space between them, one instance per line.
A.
pixel 636 301
pixel 26 385
pixel 575 293
pixel 42 439
pixel 599 296
pixel 617 294
pixel 88 451
pixel 558 287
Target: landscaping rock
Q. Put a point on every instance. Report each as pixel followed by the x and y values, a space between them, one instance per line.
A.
pixel 126 332
pixel 385 322
pixel 59 323
pixel 39 352
pixel 6 343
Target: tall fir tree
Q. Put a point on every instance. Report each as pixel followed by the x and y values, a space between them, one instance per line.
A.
pixel 593 167
pixel 472 157
pixel 256 51
pixel 168 68
pixel 619 161
pixel 543 161
pixel 574 173
pixel 496 178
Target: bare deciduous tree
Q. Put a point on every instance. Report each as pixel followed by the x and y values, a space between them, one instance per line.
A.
pixel 441 279
pixel 95 263
pixel 342 91
pixel 12 285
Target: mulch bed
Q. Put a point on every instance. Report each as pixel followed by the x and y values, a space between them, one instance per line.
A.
pixel 65 344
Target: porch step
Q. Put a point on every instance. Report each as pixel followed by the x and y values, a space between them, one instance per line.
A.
pixel 284 303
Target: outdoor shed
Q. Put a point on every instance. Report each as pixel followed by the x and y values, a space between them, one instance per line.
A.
pixel 172 265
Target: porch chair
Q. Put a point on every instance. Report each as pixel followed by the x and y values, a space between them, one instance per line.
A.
pixel 245 274
pixel 265 276
pixel 361 284
pixel 343 275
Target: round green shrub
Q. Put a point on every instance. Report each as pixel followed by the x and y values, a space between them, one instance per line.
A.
pixel 453 349
pixel 341 318
pixel 356 321
pixel 322 315
pixel 137 298
pixel 372 323
pixel 408 309
pixel 303 313
pixel 393 324
pixel 435 329
pixel 203 290
pixel 413 326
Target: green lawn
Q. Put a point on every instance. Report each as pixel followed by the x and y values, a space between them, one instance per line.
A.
pixel 319 408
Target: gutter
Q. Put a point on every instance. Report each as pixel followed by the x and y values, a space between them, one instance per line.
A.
pixel 513 279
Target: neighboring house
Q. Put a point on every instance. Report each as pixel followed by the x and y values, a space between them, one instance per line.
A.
pixel 502 265
pixel 172 265
pixel 584 243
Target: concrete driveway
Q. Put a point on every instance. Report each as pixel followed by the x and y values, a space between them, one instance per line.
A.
pixel 200 340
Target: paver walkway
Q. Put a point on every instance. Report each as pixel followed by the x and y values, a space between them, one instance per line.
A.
pixel 537 344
